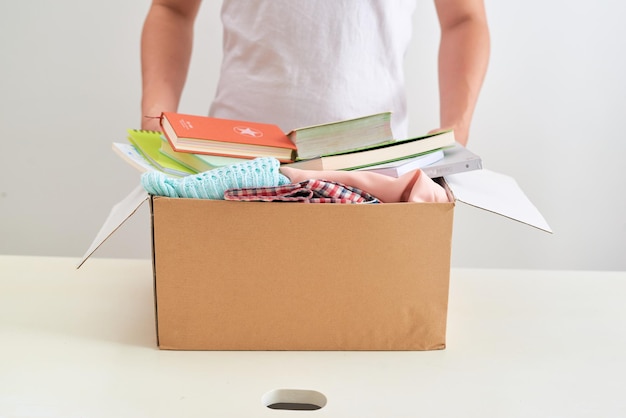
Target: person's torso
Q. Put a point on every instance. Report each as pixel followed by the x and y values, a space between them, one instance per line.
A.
pixel 297 63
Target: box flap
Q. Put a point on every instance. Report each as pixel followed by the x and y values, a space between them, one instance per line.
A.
pixel 118 215
pixel 496 193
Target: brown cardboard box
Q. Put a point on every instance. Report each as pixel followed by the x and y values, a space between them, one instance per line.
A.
pixel 292 276
pixel 277 276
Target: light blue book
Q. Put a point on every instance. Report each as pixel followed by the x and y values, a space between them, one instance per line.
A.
pixel 400 167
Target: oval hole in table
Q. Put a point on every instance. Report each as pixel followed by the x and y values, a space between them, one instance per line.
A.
pixel 294 399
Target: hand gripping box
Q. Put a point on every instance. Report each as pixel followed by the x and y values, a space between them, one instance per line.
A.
pixel 291 276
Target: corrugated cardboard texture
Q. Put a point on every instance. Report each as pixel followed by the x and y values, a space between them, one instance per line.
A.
pixel 292 276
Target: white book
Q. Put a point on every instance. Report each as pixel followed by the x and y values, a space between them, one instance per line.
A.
pixel 130 154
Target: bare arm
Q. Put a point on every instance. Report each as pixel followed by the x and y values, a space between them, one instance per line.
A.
pixel 166 44
pixel 463 59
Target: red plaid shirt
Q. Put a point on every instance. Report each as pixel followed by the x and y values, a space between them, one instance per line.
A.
pixel 309 191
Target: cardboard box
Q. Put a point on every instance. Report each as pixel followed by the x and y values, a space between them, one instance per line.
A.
pixel 281 276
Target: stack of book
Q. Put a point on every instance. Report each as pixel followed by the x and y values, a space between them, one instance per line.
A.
pixel 192 144
pixel 385 152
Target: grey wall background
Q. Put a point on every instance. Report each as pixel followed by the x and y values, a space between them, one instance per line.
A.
pixel 550 115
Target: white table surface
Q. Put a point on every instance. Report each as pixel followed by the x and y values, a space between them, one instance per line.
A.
pixel 81 343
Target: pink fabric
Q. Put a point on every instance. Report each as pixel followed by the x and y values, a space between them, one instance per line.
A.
pixel 414 186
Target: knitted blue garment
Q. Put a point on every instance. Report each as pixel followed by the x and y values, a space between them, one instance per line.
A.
pixel 260 172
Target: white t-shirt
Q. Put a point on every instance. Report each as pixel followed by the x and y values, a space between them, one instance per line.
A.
pixel 297 63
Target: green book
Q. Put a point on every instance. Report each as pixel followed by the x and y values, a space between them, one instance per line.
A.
pixel 342 136
pixel 148 143
pixel 389 151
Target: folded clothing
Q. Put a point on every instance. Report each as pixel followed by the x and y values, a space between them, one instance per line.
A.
pixel 414 186
pixel 266 172
pixel 308 191
pixel 260 172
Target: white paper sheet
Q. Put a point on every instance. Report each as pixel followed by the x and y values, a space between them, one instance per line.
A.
pixel 496 193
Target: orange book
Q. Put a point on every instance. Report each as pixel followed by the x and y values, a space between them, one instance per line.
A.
pixel 231 138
